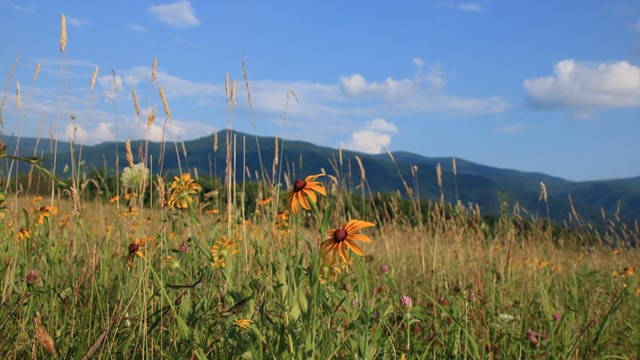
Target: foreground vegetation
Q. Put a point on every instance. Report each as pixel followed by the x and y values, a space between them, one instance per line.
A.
pixel 192 276
pixel 146 265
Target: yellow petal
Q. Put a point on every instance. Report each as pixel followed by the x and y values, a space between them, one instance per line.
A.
pixel 355 225
pixel 316 186
pixel 354 247
pixel 303 200
pixel 311 195
pixel 359 237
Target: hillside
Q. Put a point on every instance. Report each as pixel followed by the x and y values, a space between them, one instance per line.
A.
pixel 476 183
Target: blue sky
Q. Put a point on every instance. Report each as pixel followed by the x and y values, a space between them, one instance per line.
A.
pixel 546 86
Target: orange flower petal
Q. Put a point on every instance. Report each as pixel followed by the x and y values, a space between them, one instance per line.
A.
pixel 316 186
pixel 355 225
pixel 311 195
pixel 303 200
pixel 354 247
pixel 359 237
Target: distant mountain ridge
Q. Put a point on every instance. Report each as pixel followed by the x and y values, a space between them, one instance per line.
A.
pixel 485 185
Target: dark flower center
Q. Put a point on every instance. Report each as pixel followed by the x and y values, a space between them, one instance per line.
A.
pixel 133 247
pixel 299 185
pixel 339 235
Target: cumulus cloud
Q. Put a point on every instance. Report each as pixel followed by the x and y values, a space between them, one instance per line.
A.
pixel 585 87
pixel 421 93
pixel 372 137
pixel 77 22
pixel 138 28
pixel 178 14
pixel 465 6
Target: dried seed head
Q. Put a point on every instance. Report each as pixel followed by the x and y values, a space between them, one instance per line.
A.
pixel 226 86
pixel 543 192
pixel 35 75
pixel 42 335
pixel 233 94
pixel 63 33
pixel 161 191
pixel 153 71
pixel 439 173
pixel 129 153
pixel 93 79
pixel 76 200
pixel 151 116
pixel 135 102
pixel 18 95
pixel 167 111
pixel 215 140
pixel 455 168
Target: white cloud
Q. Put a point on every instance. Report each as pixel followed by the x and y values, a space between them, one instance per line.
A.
pixel 422 93
pixel 77 22
pixel 27 9
pixel 138 28
pixel 585 87
pixel 464 6
pixel 178 14
pixel 510 129
pixel 372 137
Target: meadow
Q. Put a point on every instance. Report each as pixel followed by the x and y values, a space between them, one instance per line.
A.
pixel 139 262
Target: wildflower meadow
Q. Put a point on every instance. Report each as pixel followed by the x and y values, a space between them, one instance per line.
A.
pixel 141 261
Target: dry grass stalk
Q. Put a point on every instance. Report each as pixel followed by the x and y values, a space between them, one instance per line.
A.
pixel 167 111
pixel 63 33
pixel 135 102
pixel 233 94
pixel 543 192
pixel 6 88
pixel 76 199
pixel 362 174
pixel 340 154
pixel 215 141
pixel 226 87
pixel 439 173
pixel 275 157
pixel 129 153
pixel 154 71
pixel 161 191
pixel 184 149
pixel 455 168
pixel 151 116
pixel 573 209
pixel 35 74
pixel 42 335
pixel 18 95
pixel 93 79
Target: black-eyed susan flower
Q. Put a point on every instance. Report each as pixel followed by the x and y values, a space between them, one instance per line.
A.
pixel 344 237
pixel 182 189
pixel 46 212
pixel 24 233
pixel 243 324
pixel 135 250
pixel 301 189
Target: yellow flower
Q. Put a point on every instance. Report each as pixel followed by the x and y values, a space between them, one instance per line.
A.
pixel 24 233
pixel 221 250
pixel 182 189
pixel 301 189
pixel 628 271
pixel 344 237
pixel 36 199
pixel 113 199
pixel 134 250
pixel 243 324
pixel 46 212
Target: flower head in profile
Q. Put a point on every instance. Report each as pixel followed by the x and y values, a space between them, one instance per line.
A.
pixel 135 250
pixel 301 189
pixel 46 212
pixel 344 237
pixel 182 190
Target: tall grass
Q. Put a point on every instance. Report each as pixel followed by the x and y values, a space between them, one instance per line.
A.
pixel 169 268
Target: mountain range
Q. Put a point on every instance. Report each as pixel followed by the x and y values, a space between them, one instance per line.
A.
pixel 473 183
